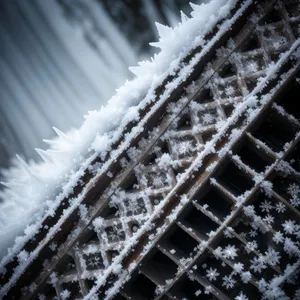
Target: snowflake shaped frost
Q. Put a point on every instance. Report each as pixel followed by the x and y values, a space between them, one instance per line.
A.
pixel 230 252
pixel 241 296
pixel 258 264
pixel 289 226
pixel 228 282
pixel 212 274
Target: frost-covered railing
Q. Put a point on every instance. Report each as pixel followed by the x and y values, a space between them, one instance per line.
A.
pixel 170 234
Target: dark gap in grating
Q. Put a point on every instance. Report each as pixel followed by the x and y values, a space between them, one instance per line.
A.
pixel 283 185
pixel 200 223
pixel 227 70
pixel 49 290
pixel 292 7
pixel 159 267
pixel 89 236
pixel 228 109
pixel 294 157
pixel 205 96
pixel 252 157
pixel 90 283
pixel 272 17
pixel 207 135
pixel 186 289
pixel 111 254
pixel 296 27
pixel 289 99
pixel 217 203
pixel 66 266
pixel 184 122
pixel 251 84
pixel 140 288
pixel 165 297
pixel 291 290
pixel 109 212
pixel 129 182
pixel 149 159
pixel 119 297
pixel 164 148
pixel 208 260
pixel 274 131
pixel 234 180
pixel 251 44
pixel 74 288
pixel 180 241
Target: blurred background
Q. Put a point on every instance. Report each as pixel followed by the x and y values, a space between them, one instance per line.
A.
pixel 61 58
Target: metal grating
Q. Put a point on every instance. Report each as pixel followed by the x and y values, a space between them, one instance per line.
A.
pixel 213 236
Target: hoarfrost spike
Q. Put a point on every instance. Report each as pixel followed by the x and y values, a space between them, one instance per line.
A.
pixel 12 184
pixel 137 71
pixel 45 155
pixel 183 17
pixel 61 134
pixel 6 184
pixel 163 30
pixel 194 6
pixel 50 142
pixel 27 168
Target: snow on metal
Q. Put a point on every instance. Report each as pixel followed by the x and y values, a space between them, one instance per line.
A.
pixel 200 197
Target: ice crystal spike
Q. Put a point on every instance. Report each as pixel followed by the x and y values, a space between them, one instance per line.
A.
pixel 25 166
pixel 45 155
pixel 61 134
pixel 183 17
pixel 163 30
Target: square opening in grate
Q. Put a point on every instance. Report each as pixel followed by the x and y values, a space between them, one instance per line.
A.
pixel 216 202
pixel 234 180
pixel 204 96
pixel 228 70
pixel 294 158
pixel 288 188
pixel 252 156
pixel 292 7
pixel 185 288
pixel 73 288
pixel 252 43
pixel 119 297
pixel 197 222
pixel 184 122
pixel 272 17
pixel 275 131
pixel 129 183
pixel 159 267
pixel 289 98
pixel 49 290
pixel 140 288
pixel 180 243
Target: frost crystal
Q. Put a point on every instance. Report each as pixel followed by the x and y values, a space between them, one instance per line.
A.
pixel 228 282
pixel 212 274
pixel 289 226
pixel 258 264
pixel 246 276
pixel 65 294
pixel 278 237
pixel 241 296
pixel 230 252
